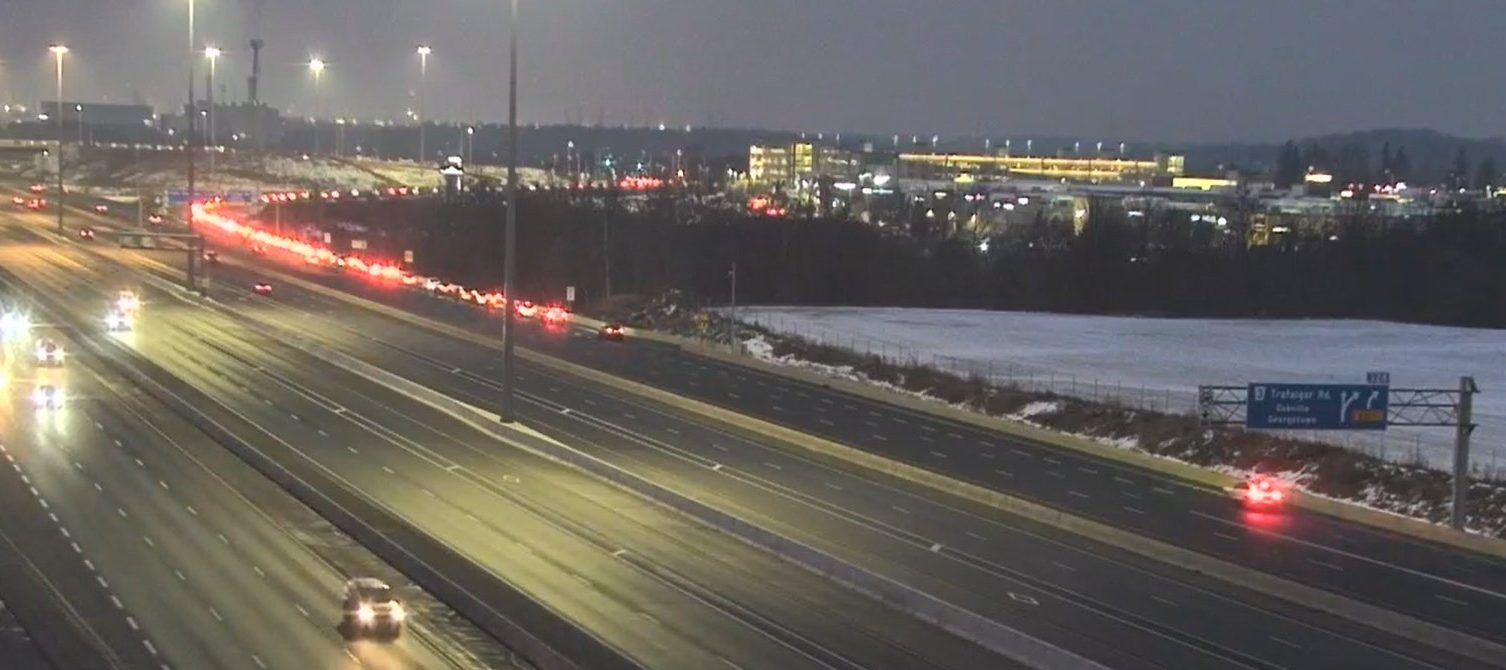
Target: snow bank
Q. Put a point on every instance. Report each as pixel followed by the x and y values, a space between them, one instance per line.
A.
pixel 1160 362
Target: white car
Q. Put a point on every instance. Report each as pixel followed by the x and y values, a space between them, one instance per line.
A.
pixel 371 610
pixel 47 396
pixel 49 353
pixel 127 301
pixel 117 321
pixel 14 324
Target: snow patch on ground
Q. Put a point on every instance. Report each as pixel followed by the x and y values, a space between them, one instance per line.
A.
pixel 1159 363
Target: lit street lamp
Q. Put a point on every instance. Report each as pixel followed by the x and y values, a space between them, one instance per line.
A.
pixel 191 122
pixel 58 51
pixel 213 55
pixel 423 81
pixel 510 236
pixel 316 68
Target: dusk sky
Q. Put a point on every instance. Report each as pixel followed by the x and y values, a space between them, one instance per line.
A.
pixel 1117 69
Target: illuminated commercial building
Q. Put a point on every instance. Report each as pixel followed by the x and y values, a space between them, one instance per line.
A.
pixel 771 165
pixel 1092 169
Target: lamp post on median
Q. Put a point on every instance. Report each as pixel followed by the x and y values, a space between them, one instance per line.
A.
pixel 423 85
pixel 510 235
pixel 316 68
pixel 189 115
pixel 212 54
pixel 58 51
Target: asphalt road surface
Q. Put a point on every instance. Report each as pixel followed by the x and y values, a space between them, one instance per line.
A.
pixel 1065 589
pixel 669 592
pixel 1061 588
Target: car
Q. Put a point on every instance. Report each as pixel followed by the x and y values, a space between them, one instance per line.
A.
pixel 212 257
pixel 371 609
pixel 18 201
pixel 1261 492
pixel 101 209
pixel 527 309
pixel 49 352
pixel 36 203
pixel 258 249
pixel 262 288
pixel 556 315
pixel 611 332
pixel 37 188
pixel 127 301
pixel 47 396
pixel 86 234
pixel 117 321
pixel 14 324
pixel 154 219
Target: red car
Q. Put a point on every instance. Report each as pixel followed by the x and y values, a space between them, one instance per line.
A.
pixel 1261 491
pixel 556 315
pixel 36 203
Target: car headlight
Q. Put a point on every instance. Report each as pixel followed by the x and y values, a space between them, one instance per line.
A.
pixel 398 613
pixel 365 614
pixel 39 397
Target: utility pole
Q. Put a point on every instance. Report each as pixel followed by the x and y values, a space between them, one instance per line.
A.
pixel 1465 426
pixel 191 112
pixel 510 236
pixel 732 318
pixel 58 51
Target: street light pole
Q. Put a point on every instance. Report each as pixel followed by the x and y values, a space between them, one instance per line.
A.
pixel 213 54
pixel 191 113
pixel 510 236
pixel 316 66
pixel 58 51
pixel 423 86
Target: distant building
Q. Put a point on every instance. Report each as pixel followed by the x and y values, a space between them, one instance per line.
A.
pixel 771 165
pixel 247 125
pixel 965 168
pixel 100 114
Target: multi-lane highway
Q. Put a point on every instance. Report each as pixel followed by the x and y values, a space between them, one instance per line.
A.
pixel 1063 589
pixel 1119 609
pixel 666 591
pixel 172 552
pixel 1431 581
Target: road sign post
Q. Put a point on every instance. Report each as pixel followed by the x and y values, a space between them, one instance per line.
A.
pixel 1351 407
pixel 1462 431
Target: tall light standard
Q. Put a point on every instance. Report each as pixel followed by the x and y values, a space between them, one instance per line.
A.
pixel 423 85
pixel 470 144
pixel 316 68
pixel 510 236
pixel 58 51
pixel 213 55
pixel 189 114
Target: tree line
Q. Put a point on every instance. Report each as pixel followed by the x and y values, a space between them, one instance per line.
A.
pixel 1445 270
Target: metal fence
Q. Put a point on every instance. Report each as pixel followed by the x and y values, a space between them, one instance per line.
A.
pixel 1107 390
pixel 1411 447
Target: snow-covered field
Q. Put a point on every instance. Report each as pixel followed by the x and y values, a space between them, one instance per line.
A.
pixel 1160 362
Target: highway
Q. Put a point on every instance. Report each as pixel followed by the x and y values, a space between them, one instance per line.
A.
pixel 206 577
pixel 1095 600
pixel 1445 585
pixel 1115 608
pixel 668 592
pixel 176 553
